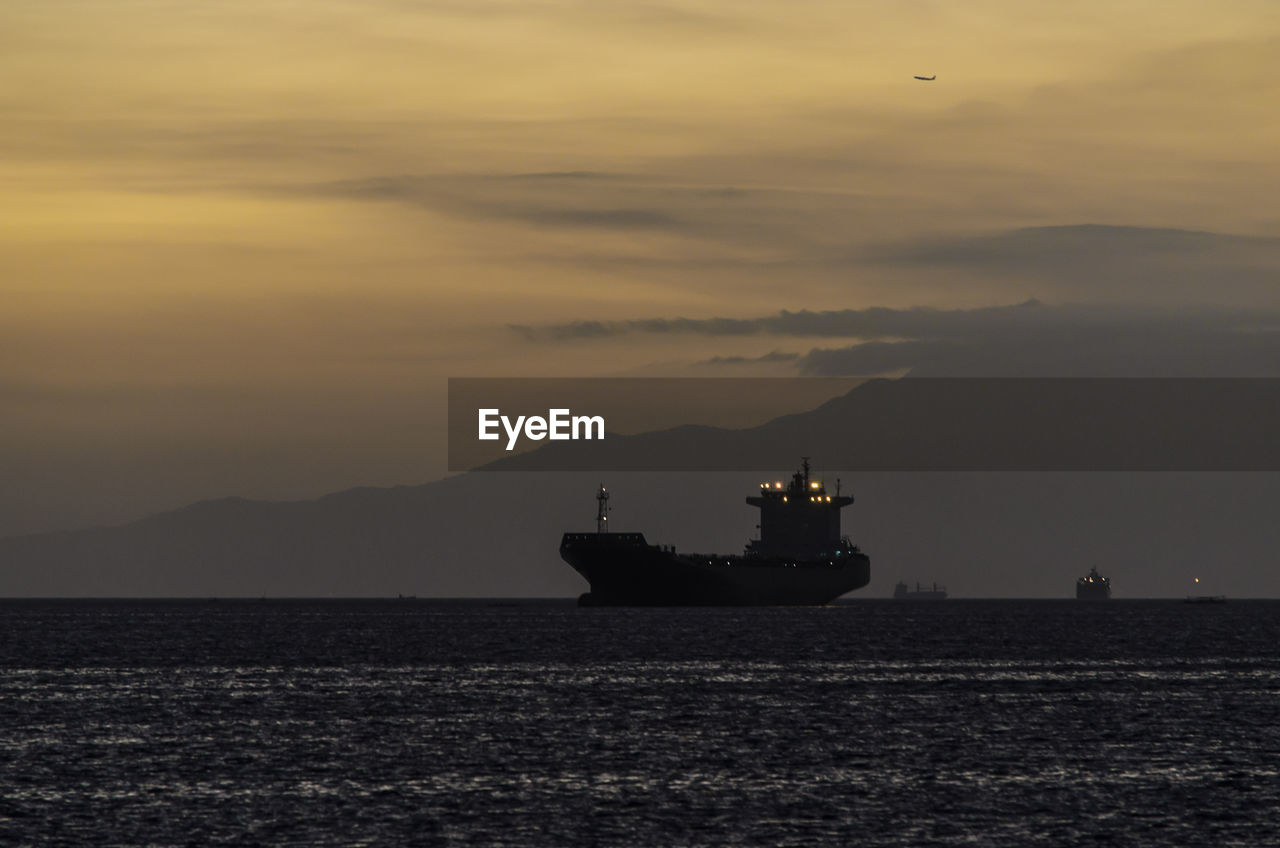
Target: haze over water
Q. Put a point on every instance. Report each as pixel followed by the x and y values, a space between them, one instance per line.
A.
pixel 538 723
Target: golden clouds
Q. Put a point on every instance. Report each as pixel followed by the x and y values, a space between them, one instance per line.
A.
pixel 296 194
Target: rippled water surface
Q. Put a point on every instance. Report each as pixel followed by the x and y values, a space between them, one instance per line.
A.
pixel 541 724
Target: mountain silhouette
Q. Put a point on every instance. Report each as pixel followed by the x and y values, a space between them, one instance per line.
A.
pixel 495 533
pixel 968 424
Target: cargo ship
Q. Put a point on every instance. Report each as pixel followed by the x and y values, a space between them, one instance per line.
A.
pixel 800 559
pixel 1093 586
pixel 903 592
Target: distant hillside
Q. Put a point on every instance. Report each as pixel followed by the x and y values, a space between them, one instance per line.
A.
pixel 998 424
pixel 403 540
pixel 492 533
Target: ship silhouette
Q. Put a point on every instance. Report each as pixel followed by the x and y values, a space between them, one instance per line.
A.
pixel 1093 586
pixel 801 558
pixel 903 592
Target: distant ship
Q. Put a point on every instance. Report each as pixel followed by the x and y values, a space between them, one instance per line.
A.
pixel 800 559
pixel 902 592
pixel 1206 599
pixel 1093 586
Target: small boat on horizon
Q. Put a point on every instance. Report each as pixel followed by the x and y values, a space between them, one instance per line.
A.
pixel 902 592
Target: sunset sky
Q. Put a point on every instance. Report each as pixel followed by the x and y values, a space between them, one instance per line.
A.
pixel 243 244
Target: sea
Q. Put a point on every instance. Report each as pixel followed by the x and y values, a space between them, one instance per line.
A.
pixel 537 723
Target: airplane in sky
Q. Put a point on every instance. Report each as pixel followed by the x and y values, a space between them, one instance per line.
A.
pixel 928 79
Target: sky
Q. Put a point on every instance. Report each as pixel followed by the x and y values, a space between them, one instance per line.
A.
pixel 244 244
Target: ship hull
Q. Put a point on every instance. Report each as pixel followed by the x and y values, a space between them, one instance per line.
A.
pixel 623 570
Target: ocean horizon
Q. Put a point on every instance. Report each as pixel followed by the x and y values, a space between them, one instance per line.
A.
pixel 535 722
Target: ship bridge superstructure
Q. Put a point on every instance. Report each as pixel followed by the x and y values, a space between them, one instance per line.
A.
pixel 798 518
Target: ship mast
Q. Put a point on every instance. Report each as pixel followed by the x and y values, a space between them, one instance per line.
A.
pixel 602 510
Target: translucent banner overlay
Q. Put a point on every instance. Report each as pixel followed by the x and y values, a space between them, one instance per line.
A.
pixel 747 424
